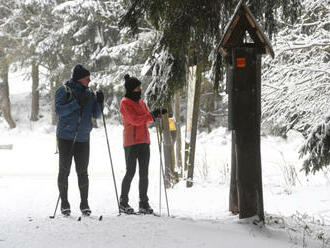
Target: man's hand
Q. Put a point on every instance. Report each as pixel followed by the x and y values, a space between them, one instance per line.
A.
pixel 99 96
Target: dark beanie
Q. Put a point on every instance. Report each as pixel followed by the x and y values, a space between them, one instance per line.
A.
pixel 79 72
pixel 131 83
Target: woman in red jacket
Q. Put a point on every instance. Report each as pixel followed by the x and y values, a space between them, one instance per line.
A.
pixel 135 117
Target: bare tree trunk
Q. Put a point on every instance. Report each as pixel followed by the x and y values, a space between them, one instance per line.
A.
pixel 178 132
pixel 192 148
pixel 167 151
pixel 209 109
pixel 52 102
pixel 4 94
pixel 174 174
pixel 35 93
pixel 53 88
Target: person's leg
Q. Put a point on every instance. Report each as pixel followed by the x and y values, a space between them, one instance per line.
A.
pixel 130 158
pixel 81 158
pixel 65 159
pixel 143 158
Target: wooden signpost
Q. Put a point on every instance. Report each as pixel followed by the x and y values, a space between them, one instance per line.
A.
pixel 242 45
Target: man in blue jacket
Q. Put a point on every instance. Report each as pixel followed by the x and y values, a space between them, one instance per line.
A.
pixel 75 105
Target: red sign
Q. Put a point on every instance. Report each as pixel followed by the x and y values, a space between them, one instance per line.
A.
pixel 240 62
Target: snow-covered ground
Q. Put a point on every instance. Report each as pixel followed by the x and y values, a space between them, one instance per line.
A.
pixel 297 207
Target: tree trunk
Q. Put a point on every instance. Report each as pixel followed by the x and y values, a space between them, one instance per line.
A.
pixel 174 173
pixel 52 102
pixel 192 148
pixel 167 151
pixel 178 132
pixel 4 95
pixel 35 93
pixel 53 88
pixel 209 109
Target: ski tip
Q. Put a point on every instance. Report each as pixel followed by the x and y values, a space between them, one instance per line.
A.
pixel 79 218
pixel 100 218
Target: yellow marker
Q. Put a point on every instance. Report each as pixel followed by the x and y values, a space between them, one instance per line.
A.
pixel 171 123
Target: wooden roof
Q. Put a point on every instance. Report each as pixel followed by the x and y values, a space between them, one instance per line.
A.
pixel 243 21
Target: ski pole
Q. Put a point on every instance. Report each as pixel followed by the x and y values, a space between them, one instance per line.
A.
pixel 113 173
pixel 72 147
pixel 58 200
pixel 161 166
pixel 160 174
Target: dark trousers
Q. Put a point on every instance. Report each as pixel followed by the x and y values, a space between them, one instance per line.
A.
pixel 140 152
pixel 80 152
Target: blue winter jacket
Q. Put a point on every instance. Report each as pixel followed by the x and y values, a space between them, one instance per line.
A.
pixel 72 119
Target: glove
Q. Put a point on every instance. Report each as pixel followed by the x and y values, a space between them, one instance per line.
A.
pixel 99 96
pixel 155 113
pixel 83 100
pixel 164 111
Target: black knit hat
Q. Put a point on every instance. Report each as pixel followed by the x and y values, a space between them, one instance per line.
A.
pixel 131 83
pixel 79 72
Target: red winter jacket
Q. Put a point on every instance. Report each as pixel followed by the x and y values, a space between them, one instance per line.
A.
pixel 135 117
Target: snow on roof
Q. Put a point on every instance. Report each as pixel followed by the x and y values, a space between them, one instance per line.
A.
pixel 243 11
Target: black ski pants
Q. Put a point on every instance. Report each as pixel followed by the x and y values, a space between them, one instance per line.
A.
pixel 140 152
pixel 80 152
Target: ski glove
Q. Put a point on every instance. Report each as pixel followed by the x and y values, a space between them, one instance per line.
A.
pixel 164 111
pixel 83 100
pixel 156 112
pixel 99 96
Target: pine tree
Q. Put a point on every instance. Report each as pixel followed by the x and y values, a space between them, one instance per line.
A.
pixel 90 35
pixel 197 24
pixel 33 26
pixel 316 150
pixel 8 50
pixel 296 83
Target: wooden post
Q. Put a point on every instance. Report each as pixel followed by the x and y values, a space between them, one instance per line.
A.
pixel 243 58
pixel 246 122
pixel 233 194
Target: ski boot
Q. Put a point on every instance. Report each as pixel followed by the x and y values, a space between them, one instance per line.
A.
pixel 65 208
pixel 84 208
pixel 124 207
pixel 144 208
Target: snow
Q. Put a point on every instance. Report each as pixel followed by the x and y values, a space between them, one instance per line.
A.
pixel 200 214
